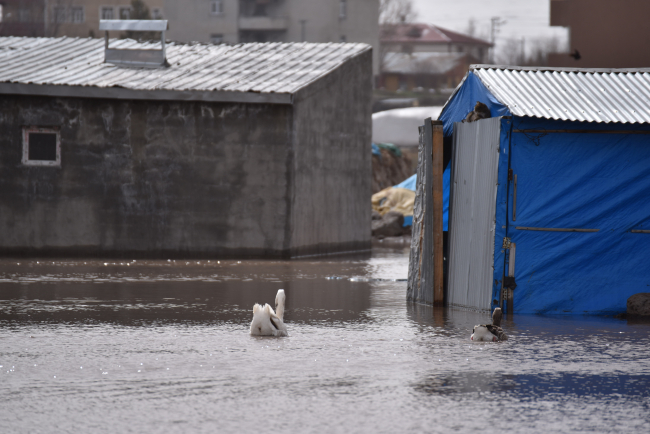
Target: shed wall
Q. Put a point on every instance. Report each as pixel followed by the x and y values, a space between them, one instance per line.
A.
pixel 332 161
pixel 474 182
pixel 143 178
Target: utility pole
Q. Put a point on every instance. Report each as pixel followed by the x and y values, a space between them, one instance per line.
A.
pixel 496 23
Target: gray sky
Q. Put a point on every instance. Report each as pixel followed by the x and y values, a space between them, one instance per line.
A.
pixel 525 18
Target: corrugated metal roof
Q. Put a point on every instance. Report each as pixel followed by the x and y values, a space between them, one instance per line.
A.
pixel 257 67
pixel 589 95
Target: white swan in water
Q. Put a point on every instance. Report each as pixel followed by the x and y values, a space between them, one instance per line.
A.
pixel 490 332
pixel 267 322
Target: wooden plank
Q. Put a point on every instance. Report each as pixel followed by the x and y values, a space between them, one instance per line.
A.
pixel 514 200
pixel 437 170
pixel 511 260
pixel 640 231
pixel 511 273
pixel 426 284
pixel 415 257
pixel 524 228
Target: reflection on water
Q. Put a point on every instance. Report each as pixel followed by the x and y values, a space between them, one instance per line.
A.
pixel 162 346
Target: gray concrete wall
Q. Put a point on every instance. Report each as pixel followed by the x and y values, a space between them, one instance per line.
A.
pixel 332 161
pixel 153 179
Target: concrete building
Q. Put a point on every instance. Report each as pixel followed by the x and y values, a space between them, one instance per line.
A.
pixel 252 150
pixel 234 21
pixel 422 55
pixel 76 18
pixel 603 33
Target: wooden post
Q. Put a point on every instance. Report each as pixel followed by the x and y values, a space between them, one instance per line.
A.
pixel 428 271
pixel 511 273
pixel 437 149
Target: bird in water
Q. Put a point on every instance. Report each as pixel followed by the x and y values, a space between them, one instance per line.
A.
pixel 266 321
pixel 490 332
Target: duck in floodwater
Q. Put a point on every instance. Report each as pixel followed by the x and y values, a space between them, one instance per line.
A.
pixel 490 332
pixel 266 321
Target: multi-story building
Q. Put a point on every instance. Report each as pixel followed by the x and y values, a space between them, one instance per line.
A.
pixel 603 33
pixel 77 18
pixel 234 21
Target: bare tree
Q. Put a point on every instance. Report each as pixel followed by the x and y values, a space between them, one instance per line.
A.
pixel 471 27
pixel 56 13
pixel 140 11
pixel 476 30
pixel 396 11
pixel 512 52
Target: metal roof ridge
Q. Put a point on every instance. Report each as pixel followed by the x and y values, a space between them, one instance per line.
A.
pixel 560 69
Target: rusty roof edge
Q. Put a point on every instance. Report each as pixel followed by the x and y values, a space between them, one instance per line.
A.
pixel 559 69
pixel 154 95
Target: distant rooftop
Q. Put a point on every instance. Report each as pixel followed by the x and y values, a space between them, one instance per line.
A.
pixel 425 34
pixel 269 72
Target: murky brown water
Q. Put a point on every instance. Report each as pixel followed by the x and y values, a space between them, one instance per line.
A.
pixel 158 346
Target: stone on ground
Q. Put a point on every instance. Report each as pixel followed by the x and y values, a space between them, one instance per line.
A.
pixel 639 304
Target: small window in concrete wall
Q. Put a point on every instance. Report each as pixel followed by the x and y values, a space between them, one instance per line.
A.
pixel 216 7
pixel 41 146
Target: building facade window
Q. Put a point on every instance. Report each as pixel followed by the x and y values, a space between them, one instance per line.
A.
pixel 106 12
pixel 125 13
pixel 216 38
pixel 156 14
pixel 24 15
pixel 216 7
pixel 41 146
pixel 343 8
pixel 77 14
pixel 58 14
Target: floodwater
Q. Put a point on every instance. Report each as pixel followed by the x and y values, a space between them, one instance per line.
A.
pixel 163 346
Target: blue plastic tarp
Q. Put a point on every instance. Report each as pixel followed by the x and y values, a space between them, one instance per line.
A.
pixel 411 184
pixel 596 183
pixel 463 100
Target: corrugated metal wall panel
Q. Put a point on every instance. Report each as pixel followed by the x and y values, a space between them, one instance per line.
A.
pixel 472 213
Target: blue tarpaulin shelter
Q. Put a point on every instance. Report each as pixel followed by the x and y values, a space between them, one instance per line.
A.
pixel 567 190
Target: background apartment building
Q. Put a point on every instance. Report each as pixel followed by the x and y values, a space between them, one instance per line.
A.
pixel 76 18
pixel 234 21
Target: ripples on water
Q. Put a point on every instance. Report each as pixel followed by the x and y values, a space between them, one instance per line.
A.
pixel 163 346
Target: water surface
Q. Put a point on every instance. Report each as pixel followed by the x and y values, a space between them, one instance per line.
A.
pixel 163 346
